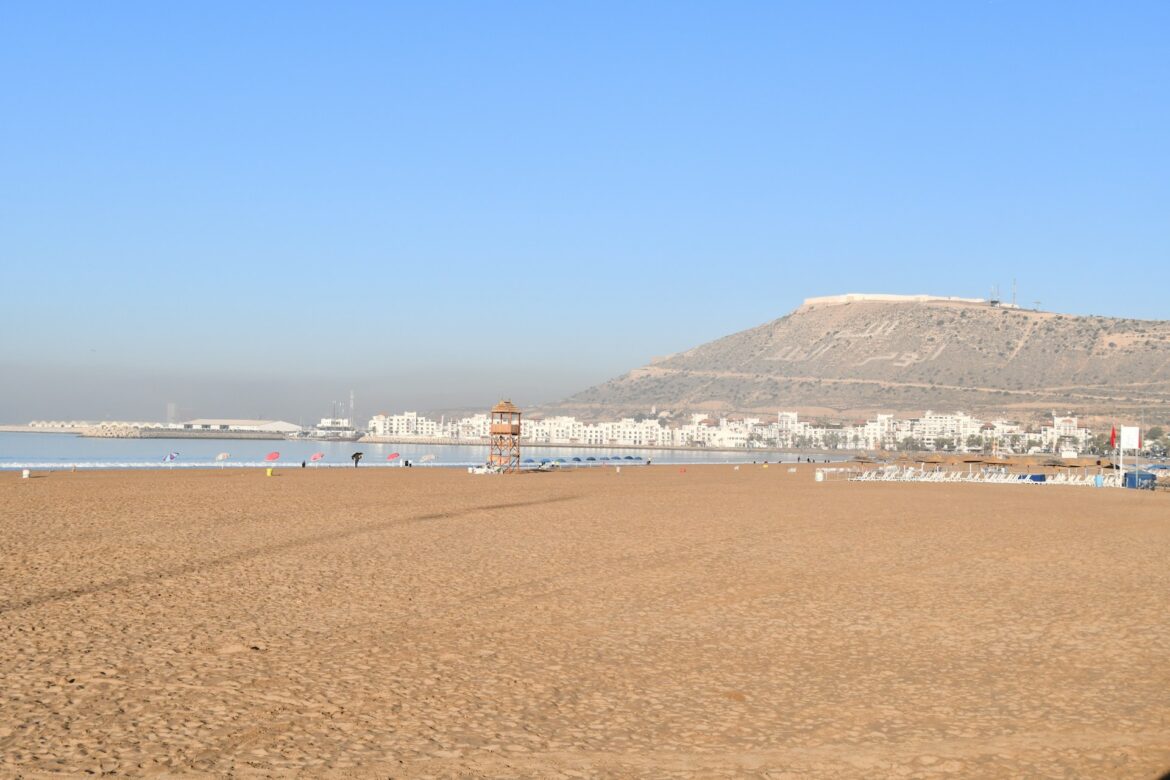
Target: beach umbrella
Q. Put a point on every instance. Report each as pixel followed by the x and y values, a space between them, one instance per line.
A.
pixel 316 456
pixel 530 460
pixel 426 458
pixel 591 458
pixel 392 456
pixel 576 460
pixel 222 457
pixel 272 456
pixel 170 457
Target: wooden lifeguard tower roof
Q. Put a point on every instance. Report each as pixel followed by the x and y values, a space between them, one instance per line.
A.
pixel 505 407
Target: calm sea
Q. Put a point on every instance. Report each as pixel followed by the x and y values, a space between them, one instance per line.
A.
pixel 63 451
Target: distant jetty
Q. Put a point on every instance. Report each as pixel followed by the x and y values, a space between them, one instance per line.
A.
pixel 175 433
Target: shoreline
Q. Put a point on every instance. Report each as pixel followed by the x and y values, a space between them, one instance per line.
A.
pixel 162 433
pixel 582 446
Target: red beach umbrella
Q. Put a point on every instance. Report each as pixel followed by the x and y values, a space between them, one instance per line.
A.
pixel 316 456
pixel 392 456
pixel 272 456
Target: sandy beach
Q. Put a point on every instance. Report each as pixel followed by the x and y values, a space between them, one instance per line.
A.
pixel 657 622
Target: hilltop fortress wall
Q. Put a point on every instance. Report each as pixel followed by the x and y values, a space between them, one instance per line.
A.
pixel 834 300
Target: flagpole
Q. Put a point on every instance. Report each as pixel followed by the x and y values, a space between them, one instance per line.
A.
pixel 1115 441
pixel 1121 463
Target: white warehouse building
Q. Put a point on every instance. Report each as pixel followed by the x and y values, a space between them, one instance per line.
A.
pixel 260 426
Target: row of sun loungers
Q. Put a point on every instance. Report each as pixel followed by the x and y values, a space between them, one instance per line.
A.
pixel 915 474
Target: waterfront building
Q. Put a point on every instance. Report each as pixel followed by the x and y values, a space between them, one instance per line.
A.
pixel 255 426
pixel 407 424
pixel 958 432
pixel 1064 433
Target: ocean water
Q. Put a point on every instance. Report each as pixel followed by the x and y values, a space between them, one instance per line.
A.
pixel 66 451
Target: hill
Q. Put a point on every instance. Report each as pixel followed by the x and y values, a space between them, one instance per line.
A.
pixel 854 355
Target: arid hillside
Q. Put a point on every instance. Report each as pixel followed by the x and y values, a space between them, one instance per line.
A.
pixel 853 355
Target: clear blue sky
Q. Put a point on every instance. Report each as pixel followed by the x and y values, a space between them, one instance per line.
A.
pixel 248 196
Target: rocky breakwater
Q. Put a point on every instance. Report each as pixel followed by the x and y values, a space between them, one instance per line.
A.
pixel 119 431
pixel 113 432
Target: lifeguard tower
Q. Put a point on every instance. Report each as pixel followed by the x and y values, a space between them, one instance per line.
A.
pixel 504 452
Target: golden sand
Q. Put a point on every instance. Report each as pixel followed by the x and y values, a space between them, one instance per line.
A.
pixel 390 623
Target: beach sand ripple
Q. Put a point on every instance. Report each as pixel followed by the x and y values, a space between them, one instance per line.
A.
pixel 706 623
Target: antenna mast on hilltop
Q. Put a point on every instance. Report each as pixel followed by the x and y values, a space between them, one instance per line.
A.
pixel 1013 293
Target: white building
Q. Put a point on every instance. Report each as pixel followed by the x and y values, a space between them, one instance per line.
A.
pixel 1064 433
pixel 931 427
pixel 407 425
pixel 959 431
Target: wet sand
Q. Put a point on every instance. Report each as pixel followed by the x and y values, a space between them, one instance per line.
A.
pixel 706 623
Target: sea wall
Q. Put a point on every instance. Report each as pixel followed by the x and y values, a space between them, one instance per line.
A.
pixel 176 433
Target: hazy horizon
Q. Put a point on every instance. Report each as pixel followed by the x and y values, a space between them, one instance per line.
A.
pixel 140 394
pixel 253 210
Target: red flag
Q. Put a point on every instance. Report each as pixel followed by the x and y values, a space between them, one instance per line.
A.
pixel 1113 438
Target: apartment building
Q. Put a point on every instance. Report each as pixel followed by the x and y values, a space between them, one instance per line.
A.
pixel 957 431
